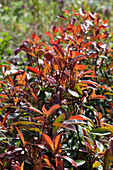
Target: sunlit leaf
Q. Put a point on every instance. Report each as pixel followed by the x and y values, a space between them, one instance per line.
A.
pixel 52 110
pixel 35 110
pixel 78 117
pixel 57 142
pixel 59 119
pixel 96 164
pixel 49 141
pixel 79 89
pixel 101 131
pixel 46 159
pixel 24 123
pixel 73 93
pixel 79 162
pixel 21 135
pixel 22 166
pixel 35 71
pixel 58 49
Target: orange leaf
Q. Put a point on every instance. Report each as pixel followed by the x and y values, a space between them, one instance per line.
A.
pixel 48 141
pixel 58 49
pixel 21 135
pixel 33 94
pixel 35 110
pixel 5 117
pixel 37 39
pixel 46 159
pixel 104 87
pixel 57 142
pixel 49 35
pixel 53 109
pixel 22 166
pixel 44 110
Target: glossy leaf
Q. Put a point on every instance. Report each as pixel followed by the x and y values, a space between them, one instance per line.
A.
pixel 35 110
pixel 79 162
pixel 21 135
pixel 65 125
pixel 52 110
pixel 101 131
pixel 96 164
pixel 73 93
pixel 70 160
pixel 35 71
pixel 59 119
pixel 48 141
pixel 24 123
pixel 57 142
pixel 78 117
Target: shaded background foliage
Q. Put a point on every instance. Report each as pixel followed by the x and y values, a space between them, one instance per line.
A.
pixel 20 17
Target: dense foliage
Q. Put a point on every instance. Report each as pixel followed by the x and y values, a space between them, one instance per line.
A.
pixel 28 16
pixel 56 112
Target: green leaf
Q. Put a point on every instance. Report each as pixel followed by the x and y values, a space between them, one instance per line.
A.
pixel 101 131
pixel 25 123
pixel 79 89
pixel 59 119
pixel 73 93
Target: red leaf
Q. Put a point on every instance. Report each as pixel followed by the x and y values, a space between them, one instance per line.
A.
pixel 70 160
pixel 104 87
pixel 35 71
pixel 33 36
pixel 78 117
pixel 66 11
pixel 75 13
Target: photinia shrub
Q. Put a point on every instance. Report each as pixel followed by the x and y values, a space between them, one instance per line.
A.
pixel 56 113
